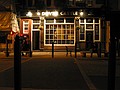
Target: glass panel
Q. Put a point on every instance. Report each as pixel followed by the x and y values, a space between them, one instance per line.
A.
pixel 59 41
pixel 81 36
pixel 47 26
pixel 60 20
pixel 51 41
pixel 69 20
pixel 97 32
pixel 35 26
pixel 68 41
pixel 63 41
pixel 96 37
pixel 47 36
pixel 82 29
pixel 55 41
pixel 97 29
pixel 68 31
pixel 68 26
pixel 26 21
pixel 47 41
pixel 72 26
pixel 49 20
pixel 89 20
pixel 47 31
pixel 72 41
pixel 89 26
pixel 96 20
pixel 51 36
pixel 59 36
pixel 59 31
pixel 55 27
pixel 26 27
pixel 81 20
pixel 51 31
pixel 59 26
pixel 51 27
pixel 36 21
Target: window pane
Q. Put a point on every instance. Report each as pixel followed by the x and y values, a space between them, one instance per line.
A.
pixel 69 20
pixel 60 20
pixel 47 36
pixel 35 26
pixel 49 20
pixel 82 20
pixel 81 36
pixel 82 29
pixel 89 20
pixel 89 26
pixel 36 21
pixel 97 20
pixel 47 42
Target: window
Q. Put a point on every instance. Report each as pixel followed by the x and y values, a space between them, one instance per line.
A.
pixel 61 33
pixel 25 27
pixel 60 20
pixel 36 24
pixel 89 24
pixel 82 31
pixel 49 20
pixel 97 32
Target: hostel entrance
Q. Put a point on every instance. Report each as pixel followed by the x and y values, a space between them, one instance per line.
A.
pixel 36 40
pixel 89 39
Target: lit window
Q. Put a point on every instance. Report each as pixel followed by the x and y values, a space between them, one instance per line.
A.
pixel 61 33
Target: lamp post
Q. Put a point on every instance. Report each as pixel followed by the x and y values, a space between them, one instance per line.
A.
pixel 77 24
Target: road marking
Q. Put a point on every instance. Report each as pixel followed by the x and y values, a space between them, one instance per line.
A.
pixel 86 78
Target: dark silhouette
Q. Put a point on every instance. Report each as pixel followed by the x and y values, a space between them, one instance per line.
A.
pixel 25 46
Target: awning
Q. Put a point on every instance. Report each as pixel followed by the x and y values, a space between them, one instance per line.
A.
pixel 8 22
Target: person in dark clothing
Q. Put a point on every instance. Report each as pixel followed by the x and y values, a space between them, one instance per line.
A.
pixel 25 46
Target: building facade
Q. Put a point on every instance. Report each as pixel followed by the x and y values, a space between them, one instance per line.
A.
pixel 63 22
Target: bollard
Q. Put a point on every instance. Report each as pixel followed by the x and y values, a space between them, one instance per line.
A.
pixel 99 50
pixel 52 49
pixel 7 53
pixel 30 51
pixel 75 49
pixel 17 64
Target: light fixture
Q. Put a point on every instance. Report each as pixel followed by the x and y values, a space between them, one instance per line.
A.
pixel 81 13
pixel 29 14
pixel 38 13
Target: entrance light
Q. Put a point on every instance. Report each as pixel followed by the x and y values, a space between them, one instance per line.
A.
pixel 81 13
pixel 38 13
pixel 29 14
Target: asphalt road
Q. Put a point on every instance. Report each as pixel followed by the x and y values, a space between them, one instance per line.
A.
pixel 47 73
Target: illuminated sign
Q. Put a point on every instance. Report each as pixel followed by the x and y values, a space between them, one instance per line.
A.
pixel 56 13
